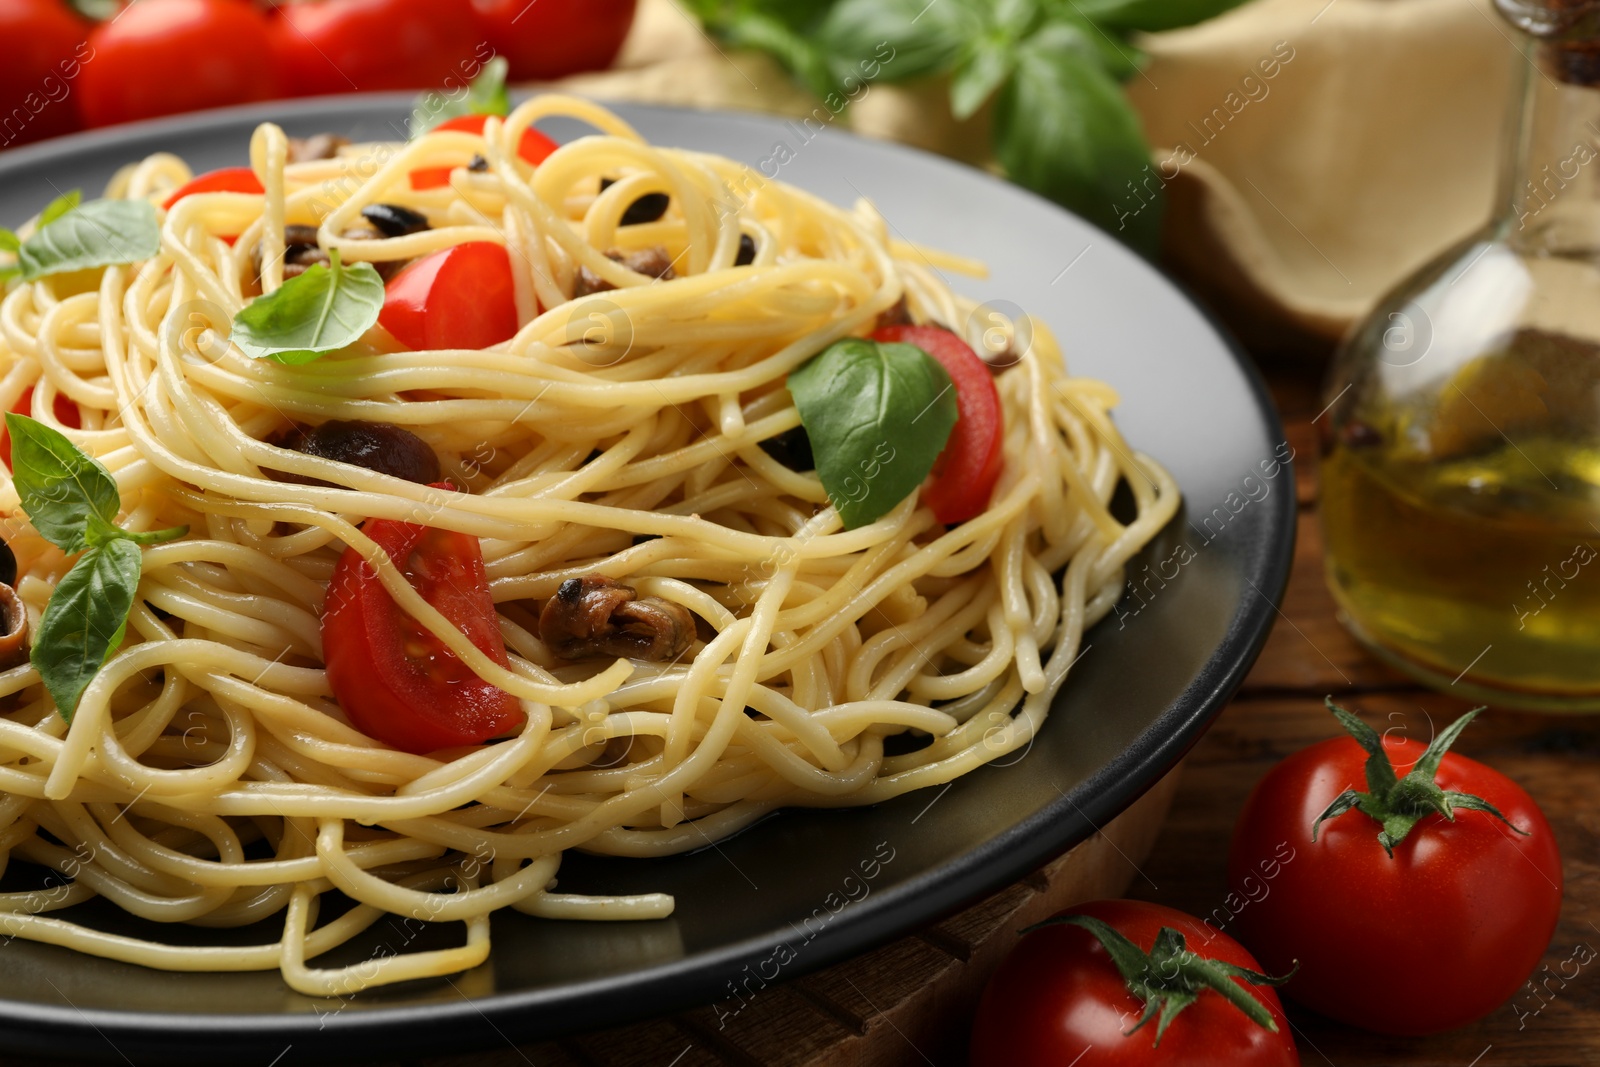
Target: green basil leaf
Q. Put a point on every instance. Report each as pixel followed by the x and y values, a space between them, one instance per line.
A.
pixel 97 531
pixel 900 39
pixel 1150 16
pixel 1064 129
pixel 9 242
pixel 85 620
pixel 987 66
pixel 878 415
pixel 311 314
pixel 785 29
pixel 794 49
pixel 1121 59
pixel 486 95
pixel 1015 18
pixel 61 488
pixel 796 14
pixel 721 16
pixel 95 234
pixel 60 206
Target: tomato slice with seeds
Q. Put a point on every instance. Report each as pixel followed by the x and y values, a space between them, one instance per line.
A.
pixel 457 297
pixel 534 147
pixel 66 413
pixel 965 473
pixel 226 180
pixel 395 680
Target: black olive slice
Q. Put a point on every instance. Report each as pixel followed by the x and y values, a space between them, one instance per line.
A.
pixel 392 220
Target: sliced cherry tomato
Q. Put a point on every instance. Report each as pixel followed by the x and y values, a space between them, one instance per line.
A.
pixel 1440 932
pixel 554 38
pixel 966 471
pixel 341 46
pixel 161 57
pixel 226 180
pixel 459 297
pixel 65 411
pixel 394 679
pixel 1060 998
pixel 44 53
pixel 533 147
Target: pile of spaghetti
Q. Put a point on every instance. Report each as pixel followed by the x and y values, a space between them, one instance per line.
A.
pixel 623 439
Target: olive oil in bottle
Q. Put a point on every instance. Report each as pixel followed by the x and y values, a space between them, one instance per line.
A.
pixel 1461 475
pixel 1431 569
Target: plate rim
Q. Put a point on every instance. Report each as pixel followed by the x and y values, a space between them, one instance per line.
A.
pixel 589 1004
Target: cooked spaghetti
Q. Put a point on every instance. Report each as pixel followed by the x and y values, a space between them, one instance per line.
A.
pixel 209 774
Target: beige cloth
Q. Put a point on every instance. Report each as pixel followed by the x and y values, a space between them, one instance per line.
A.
pixel 1314 152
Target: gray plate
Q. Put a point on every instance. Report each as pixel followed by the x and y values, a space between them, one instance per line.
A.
pixel 823 885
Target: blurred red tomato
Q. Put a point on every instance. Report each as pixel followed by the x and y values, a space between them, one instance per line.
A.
pixel 162 57
pixel 552 38
pixel 226 180
pixel 534 147
pixel 44 53
pixel 341 46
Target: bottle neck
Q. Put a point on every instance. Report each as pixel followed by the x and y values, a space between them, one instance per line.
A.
pixel 1551 180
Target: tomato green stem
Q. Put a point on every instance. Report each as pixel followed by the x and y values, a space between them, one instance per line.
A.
pixel 1398 804
pixel 1169 977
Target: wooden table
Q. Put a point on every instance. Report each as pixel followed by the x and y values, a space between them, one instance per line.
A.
pixel 890 1008
pixel 1279 710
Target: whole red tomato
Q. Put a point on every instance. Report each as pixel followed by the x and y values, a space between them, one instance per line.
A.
pixel 1062 998
pixel 162 57
pixel 1435 935
pixel 44 54
pixel 341 46
pixel 553 38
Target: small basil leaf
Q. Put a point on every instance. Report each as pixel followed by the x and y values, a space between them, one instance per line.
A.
pixel 85 619
pixel 95 234
pixel 311 314
pixel 878 415
pixel 1150 16
pixel 485 95
pixel 60 206
pixel 980 74
pixel 61 488
pixel 9 242
pixel 1063 128
pixel 902 38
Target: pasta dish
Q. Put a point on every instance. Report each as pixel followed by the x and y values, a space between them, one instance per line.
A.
pixel 388 519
